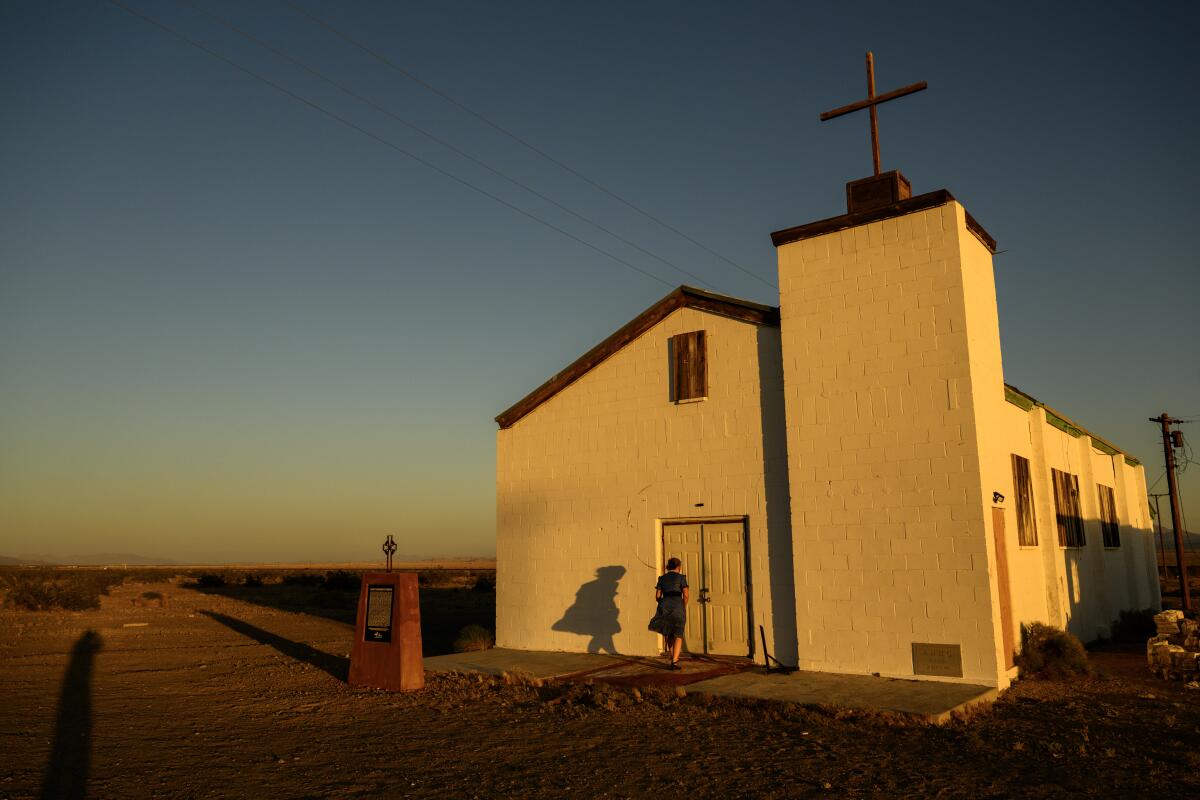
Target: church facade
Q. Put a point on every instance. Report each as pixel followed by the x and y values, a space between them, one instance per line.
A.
pixel 850 483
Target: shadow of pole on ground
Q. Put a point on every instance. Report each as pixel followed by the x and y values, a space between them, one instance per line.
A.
pixel 336 666
pixel 70 755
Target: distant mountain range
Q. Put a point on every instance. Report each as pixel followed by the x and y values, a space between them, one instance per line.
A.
pixel 90 560
pixel 6 561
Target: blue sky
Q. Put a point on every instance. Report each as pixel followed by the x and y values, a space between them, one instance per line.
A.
pixel 234 328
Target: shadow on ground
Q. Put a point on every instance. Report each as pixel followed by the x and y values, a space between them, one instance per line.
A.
pixel 444 611
pixel 71 753
pixel 337 666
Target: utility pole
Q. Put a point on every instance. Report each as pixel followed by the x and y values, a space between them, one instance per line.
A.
pixel 1171 440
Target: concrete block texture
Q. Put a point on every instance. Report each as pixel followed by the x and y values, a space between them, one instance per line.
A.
pixel 585 481
pixel 907 428
pixel 867 444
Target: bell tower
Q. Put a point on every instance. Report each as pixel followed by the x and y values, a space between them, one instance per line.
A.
pixel 892 373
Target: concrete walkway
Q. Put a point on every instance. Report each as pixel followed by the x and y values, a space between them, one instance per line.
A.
pixel 931 701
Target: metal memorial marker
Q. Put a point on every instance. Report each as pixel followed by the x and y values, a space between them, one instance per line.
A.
pixel 943 660
pixel 389 550
pixel 379 613
pixel 386 653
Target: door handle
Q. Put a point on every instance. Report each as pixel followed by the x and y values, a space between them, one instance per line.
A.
pixel 704 598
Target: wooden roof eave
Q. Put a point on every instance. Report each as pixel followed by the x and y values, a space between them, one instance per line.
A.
pixel 683 297
pixel 911 205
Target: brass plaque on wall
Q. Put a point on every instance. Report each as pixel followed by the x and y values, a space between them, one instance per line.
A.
pixel 943 660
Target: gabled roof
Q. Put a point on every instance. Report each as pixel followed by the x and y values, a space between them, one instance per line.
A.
pixel 683 297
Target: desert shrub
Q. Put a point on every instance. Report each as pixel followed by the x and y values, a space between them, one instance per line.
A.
pixel 431 577
pixel 43 590
pixel 303 579
pixel 1049 652
pixel 472 638
pixel 44 595
pixel 149 574
pixel 341 580
pixel 1134 625
pixel 210 580
pixel 252 580
pixel 484 583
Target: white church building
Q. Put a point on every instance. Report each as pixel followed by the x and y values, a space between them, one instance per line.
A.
pixel 847 477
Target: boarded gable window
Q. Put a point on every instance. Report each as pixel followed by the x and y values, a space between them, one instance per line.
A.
pixel 1108 517
pixel 689 367
pixel 1066 507
pixel 1023 486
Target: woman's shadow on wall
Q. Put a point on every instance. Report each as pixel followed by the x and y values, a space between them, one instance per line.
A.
pixel 594 612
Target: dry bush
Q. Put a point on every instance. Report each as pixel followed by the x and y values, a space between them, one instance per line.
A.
pixel 1134 626
pixel 149 574
pixel 472 638
pixel 149 599
pixel 1049 652
pixel 447 578
pixel 44 590
pixel 429 577
pixel 303 579
pixel 341 580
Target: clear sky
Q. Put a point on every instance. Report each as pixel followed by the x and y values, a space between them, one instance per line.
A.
pixel 234 328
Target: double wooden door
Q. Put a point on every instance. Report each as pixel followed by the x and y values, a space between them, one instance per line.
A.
pixel 714 561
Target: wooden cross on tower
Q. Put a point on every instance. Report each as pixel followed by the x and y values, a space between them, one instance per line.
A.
pixel 871 102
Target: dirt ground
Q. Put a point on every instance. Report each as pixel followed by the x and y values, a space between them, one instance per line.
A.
pixel 237 694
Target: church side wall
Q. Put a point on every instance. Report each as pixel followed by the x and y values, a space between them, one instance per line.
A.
pixel 1080 589
pixel 586 479
pixel 1091 585
pixel 888 514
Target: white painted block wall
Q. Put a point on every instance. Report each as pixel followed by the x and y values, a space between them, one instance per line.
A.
pixel 1082 590
pixel 888 512
pixel 586 479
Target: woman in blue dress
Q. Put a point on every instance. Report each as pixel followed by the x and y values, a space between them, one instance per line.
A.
pixel 672 595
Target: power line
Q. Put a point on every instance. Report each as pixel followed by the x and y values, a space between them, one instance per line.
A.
pixel 433 137
pixel 382 59
pixel 381 140
pixel 1156 480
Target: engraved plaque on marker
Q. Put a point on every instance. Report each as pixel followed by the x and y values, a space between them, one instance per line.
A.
pixel 379 613
pixel 944 660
